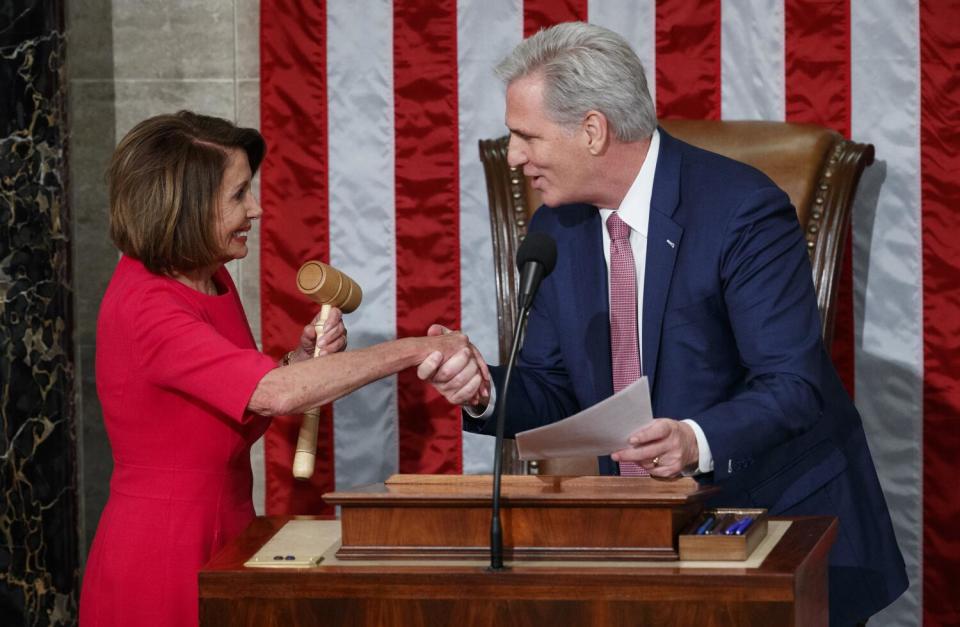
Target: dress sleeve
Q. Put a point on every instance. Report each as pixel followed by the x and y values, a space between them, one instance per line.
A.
pixel 180 351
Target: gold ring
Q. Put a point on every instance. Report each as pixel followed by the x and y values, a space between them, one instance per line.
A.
pixel 656 461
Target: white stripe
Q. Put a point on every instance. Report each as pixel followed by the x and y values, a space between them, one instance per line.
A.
pixel 888 270
pixel 752 60
pixel 635 21
pixel 486 31
pixel 362 229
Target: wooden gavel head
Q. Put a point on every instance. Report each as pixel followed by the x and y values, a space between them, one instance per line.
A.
pixel 326 285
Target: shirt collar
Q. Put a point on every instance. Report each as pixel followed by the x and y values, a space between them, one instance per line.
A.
pixel 634 209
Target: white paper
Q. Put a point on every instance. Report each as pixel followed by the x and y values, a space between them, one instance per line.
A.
pixel 598 430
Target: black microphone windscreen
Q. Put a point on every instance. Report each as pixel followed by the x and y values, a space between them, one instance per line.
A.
pixel 538 247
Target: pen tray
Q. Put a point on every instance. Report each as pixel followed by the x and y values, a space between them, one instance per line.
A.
pixel 721 547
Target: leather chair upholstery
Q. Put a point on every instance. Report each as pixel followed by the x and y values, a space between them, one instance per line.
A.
pixel 815 166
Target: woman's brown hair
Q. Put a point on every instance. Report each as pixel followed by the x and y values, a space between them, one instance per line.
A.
pixel 164 181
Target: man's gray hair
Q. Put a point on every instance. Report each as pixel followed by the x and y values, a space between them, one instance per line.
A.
pixel 586 67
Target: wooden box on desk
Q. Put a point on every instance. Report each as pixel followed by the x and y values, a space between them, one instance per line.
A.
pixel 721 547
pixel 544 517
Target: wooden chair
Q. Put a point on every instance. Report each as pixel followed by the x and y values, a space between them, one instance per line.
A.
pixel 817 167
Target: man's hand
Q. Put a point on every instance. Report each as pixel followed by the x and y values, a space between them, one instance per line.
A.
pixel 463 379
pixel 665 448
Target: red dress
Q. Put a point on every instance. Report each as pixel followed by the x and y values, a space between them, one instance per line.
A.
pixel 175 371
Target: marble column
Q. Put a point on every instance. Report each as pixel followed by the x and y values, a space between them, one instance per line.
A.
pixel 38 496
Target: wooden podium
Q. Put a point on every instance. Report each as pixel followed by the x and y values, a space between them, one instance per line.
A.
pixel 544 517
pixel 438 580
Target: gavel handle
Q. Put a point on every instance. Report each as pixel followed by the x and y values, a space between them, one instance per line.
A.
pixel 305 458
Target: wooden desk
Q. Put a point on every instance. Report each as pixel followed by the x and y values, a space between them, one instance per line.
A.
pixel 789 588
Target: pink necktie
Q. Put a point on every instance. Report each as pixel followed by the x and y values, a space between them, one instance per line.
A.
pixel 625 350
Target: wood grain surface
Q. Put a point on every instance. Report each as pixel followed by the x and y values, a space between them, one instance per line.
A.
pixel 789 588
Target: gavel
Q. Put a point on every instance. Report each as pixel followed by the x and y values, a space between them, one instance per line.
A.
pixel 328 287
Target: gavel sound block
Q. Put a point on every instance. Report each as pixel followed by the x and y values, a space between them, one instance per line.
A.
pixel 328 287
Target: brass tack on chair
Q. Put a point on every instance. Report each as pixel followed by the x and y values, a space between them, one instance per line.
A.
pixel 812 228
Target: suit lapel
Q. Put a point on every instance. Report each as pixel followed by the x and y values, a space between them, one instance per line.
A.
pixel 663 245
pixel 591 303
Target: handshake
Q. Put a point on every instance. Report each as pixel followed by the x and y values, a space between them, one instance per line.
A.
pixel 665 447
pixel 461 376
pixel 443 357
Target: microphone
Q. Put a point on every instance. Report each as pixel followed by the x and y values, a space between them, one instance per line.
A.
pixel 328 287
pixel 535 259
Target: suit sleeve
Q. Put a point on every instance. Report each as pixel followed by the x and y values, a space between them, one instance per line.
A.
pixel 540 389
pixel 766 285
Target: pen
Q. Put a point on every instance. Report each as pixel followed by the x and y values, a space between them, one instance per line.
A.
pixel 707 524
pixel 744 525
pixel 734 527
pixel 723 522
pixel 739 527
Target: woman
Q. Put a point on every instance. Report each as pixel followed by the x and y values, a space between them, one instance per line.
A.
pixel 184 390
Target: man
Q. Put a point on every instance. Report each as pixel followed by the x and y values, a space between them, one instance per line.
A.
pixel 690 268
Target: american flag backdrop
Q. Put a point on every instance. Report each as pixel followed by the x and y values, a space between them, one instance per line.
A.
pixel 373 109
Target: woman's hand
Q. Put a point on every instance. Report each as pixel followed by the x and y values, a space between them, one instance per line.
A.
pixel 334 337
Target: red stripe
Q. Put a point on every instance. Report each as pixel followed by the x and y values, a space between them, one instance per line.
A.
pixel 293 119
pixel 539 14
pixel 688 59
pixel 427 218
pixel 940 189
pixel 817 60
pixel 842 350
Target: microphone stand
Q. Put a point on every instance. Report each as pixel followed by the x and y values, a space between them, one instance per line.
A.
pixel 496 528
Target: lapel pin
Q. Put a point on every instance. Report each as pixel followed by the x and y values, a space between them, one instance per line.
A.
pixel 672 245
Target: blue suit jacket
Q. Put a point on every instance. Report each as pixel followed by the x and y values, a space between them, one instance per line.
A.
pixel 730 338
